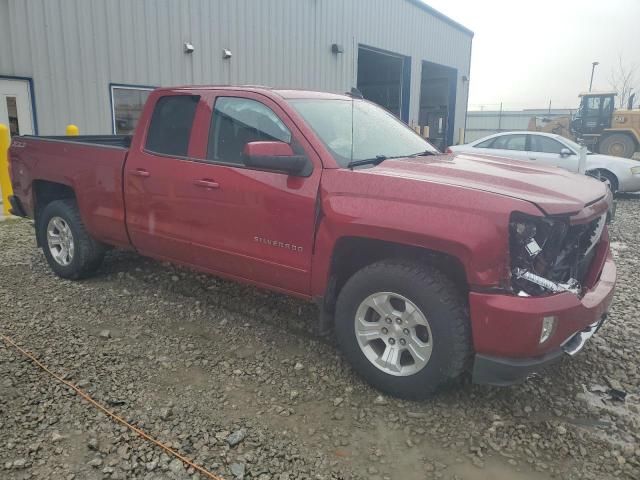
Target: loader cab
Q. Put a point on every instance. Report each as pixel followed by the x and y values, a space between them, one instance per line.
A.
pixel 594 114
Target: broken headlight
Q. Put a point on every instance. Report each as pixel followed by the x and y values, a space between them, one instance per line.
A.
pixel 541 263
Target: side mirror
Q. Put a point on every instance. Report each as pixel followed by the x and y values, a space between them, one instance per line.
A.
pixel 276 156
pixel 565 152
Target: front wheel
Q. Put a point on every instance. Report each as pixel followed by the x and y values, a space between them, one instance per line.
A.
pixel 69 249
pixel 617 144
pixel 404 327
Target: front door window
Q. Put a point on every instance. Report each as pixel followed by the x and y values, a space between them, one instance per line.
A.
pixel 238 121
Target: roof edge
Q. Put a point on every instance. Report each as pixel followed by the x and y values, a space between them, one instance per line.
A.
pixel 441 16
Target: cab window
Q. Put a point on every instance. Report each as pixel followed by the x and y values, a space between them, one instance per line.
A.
pixel 593 106
pixel 171 122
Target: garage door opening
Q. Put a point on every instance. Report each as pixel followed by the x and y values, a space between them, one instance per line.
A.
pixel 437 102
pixel 384 78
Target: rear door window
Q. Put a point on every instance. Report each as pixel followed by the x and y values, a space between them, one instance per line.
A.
pixel 170 127
pixel 238 121
pixel 485 144
pixel 510 142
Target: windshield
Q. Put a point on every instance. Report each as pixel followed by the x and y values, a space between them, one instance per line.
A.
pixel 373 133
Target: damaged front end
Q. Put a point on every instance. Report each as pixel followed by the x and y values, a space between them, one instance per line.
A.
pixel 549 255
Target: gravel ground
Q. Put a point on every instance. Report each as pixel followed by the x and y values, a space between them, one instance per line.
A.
pixel 234 378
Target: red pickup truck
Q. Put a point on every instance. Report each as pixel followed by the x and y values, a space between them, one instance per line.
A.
pixel 427 265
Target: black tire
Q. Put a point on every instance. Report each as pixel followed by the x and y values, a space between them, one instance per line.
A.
pixel 88 253
pixel 436 297
pixel 617 144
pixel 609 178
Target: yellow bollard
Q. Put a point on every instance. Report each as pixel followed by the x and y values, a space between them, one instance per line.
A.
pixel 72 130
pixel 5 183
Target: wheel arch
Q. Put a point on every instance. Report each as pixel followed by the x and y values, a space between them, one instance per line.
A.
pixel 352 253
pixel 611 175
pixel 44 192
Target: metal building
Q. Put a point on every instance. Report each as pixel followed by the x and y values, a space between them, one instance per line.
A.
pixel 92 62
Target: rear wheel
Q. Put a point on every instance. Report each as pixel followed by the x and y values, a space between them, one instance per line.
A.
pixel 404 327
pixel 69 249
pixel 617 144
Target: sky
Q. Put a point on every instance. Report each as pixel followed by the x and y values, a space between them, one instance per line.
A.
pixel 527 53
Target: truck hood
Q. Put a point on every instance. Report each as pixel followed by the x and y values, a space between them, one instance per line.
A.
pixel 553 190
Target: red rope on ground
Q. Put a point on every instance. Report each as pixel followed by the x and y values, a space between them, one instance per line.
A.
pixel 109 413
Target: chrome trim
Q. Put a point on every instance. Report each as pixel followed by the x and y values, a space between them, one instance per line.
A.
pixel 575 343
pixel 597 234
pixel 572 285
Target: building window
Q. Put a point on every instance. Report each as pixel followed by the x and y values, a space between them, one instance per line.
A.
pixel 126 107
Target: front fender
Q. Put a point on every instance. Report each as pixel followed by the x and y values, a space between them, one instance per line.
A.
pixel 473 230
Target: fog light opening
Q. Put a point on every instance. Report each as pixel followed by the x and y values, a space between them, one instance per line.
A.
pixel 548 326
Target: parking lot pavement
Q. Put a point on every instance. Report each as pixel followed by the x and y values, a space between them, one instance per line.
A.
pixel 192 360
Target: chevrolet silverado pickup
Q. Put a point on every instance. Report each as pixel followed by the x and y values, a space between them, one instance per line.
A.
pixel 426 265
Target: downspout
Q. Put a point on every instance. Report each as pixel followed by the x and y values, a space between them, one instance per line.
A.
pixel 466 105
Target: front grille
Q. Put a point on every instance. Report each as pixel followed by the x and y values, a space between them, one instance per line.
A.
pixel 594 233
pixel 579 247
pixel 551 255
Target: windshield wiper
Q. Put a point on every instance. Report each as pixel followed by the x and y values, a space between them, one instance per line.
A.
pixel 377 160
pixel 426 153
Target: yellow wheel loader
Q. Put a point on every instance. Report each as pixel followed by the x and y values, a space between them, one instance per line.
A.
pixel 598 125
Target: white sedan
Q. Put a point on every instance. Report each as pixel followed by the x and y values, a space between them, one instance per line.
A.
pixel 622 174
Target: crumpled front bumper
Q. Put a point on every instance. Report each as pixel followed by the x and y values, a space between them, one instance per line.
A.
pixel 508 371
pixel 506 328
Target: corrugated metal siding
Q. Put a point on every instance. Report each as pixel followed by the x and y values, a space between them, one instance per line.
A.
pixel 74 49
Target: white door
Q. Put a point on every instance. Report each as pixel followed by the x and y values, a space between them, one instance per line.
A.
pixel 548 151
pixel 15 106
pixel 15 111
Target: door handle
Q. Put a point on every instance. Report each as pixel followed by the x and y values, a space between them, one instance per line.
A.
pixel 532 158
pixel 140 172
pixel 206 183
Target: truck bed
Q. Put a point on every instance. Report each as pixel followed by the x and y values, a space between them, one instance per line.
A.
pixel 89 165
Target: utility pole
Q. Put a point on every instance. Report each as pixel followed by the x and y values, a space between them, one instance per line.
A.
pixel 593 67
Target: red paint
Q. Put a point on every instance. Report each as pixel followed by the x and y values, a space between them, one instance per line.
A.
pixel 509 326
pixel 264 149
pixel 279 231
